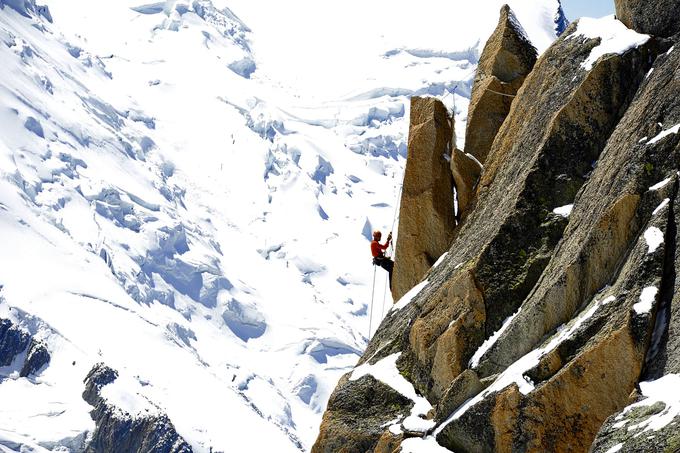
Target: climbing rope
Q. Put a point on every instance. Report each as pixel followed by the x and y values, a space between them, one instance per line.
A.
pixel 502 94
pixel 396 209
pixel 370 315
pixel 391 253
pixel 382 312
pixel 395 216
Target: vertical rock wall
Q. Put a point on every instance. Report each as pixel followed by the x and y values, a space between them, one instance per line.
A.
pixel 426 214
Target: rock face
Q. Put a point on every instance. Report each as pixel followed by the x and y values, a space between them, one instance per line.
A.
pixel 426 220
pixel 654 112
pixel 654 17
pixel 14 342
pixel 37 357
pixel 358 410
pixel 116 431
pixel 507 58
pixel 466 171
pixel 557 293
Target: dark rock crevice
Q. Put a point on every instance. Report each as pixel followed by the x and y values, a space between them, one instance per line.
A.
pixel 656 355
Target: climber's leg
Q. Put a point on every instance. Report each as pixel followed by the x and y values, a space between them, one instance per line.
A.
pixel 388 265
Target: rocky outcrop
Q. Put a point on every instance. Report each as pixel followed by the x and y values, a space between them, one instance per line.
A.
pixel 13 341
pixel 117 431
pixel 641 426
pixel 426 214
pixel 535 326
pixel 17 344
pixel 506 60
pixel 37 357
pixel 358 412
pixel 466 171
pixel 654 17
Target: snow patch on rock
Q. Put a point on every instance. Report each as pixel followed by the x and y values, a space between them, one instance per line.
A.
pixel 646 300
pixel 654 238
pixel 662 390
pixel 385 370
pixel 663 134
pixel 615 38
pixel 564 211
pixel 489 342
pixel 409 296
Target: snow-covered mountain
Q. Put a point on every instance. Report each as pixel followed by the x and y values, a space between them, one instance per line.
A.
pixel 186 193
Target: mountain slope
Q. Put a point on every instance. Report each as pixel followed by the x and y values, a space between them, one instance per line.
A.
pixel 181 208
pixel 550 323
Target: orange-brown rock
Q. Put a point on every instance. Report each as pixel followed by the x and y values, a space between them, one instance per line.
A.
pixel 565 411
pixel 507 58
pixel 466 171
pixel 389 443
pixel 426 215
pixel 595 282
pixel 442 336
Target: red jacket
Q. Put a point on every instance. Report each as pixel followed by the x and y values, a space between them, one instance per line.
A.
pixel 377 249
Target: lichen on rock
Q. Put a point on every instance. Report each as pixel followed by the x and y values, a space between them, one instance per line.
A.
pixel 654 17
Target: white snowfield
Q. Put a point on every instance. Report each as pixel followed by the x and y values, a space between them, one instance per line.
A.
pixel 187 193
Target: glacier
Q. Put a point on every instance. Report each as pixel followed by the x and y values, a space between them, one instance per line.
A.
pixel 185 192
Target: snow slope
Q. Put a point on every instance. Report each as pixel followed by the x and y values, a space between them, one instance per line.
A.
pixel 186 196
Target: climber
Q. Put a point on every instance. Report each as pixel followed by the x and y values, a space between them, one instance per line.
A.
pixel 378 252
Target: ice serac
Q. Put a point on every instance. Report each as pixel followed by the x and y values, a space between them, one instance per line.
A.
pixel 27 8
pixel 119 431
pixel 506 60
pixel 654 17
pixel 426 215
pixel 553 308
